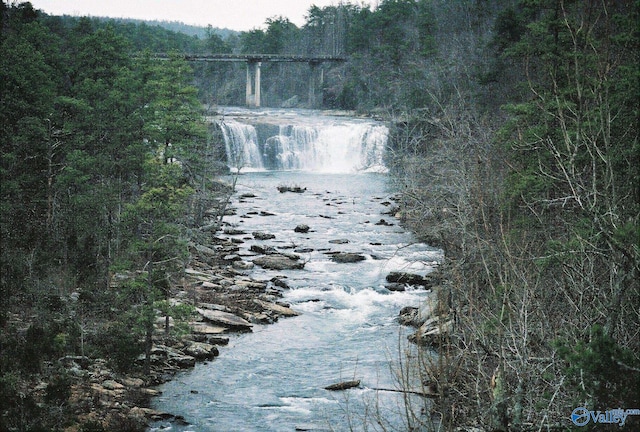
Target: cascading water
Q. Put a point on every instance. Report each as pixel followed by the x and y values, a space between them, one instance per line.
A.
pixel 273 378
pixel 241 144
pixel 327 144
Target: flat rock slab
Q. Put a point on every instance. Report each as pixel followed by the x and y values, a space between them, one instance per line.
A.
pixel 347 257
pixel 280 310
pixel 224 318
pixel 207 329
pixel 278 262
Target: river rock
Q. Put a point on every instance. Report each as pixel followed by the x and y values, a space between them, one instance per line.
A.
pixel 274 307
pixel 278 262
pixel 224 318
pixel 347 257
pixel 263 249
pixel 427 281
pixel 173 356
pixel 259 235
pixel 208 286
pixel 302 228
pixel 383 222
pixel 407 315
pixel 207 329
pixel 231 257
pixel 396 286
pixel 198 275
pixel 280 283
pixel 233 231
pixel 433 331
pixel 303 250
pixel 112 385
pixel 243 265
pixel 294 189
pixel 201 351
pixel 339 241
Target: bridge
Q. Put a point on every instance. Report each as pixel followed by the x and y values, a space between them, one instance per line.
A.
pixel 254 62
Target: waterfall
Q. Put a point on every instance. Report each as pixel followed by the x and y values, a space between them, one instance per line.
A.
pixel 317 143
pixel 241 145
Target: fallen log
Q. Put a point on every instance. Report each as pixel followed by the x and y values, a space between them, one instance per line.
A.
pixel 427 393
pixel 344 385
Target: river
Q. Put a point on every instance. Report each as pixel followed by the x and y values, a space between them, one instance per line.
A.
pixel 273 378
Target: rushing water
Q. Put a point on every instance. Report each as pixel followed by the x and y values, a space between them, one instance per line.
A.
pixel 273 379
pixel 302 140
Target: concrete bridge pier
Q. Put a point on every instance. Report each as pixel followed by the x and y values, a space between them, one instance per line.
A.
pixel 253 83
pixel 316 82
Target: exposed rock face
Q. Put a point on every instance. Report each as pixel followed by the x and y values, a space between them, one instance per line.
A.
pixel 278 262
pixel 347 257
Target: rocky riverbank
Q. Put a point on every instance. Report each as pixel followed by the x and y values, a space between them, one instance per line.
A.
pixel 225 301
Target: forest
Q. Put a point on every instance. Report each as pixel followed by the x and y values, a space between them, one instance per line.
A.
pixel 514 140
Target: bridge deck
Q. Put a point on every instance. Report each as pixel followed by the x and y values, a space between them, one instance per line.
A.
pixel 257 58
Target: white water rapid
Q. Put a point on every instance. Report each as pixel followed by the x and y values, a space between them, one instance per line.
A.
pixel 273 379
pixel 299 140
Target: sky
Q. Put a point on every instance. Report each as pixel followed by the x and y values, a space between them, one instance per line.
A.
pixel 239 15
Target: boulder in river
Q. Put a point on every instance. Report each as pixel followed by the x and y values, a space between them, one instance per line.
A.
pixel 278 262
pixel 294 189
pixel 259 235
pixel 302 228
pixel 339 241
pixel 262 249
pixel 347 257
pixel 427 281
pixel 201 351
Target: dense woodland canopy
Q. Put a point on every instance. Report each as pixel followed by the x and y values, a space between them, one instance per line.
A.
pixel 514 140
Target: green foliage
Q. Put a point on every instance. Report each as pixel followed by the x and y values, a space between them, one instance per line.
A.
pixel 19 411
pixel 58 389
pixel 601 370
pixel 121 343
pixel 92 426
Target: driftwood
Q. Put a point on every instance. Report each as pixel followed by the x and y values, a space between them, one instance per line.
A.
pixel 344 385
pixel 427 393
